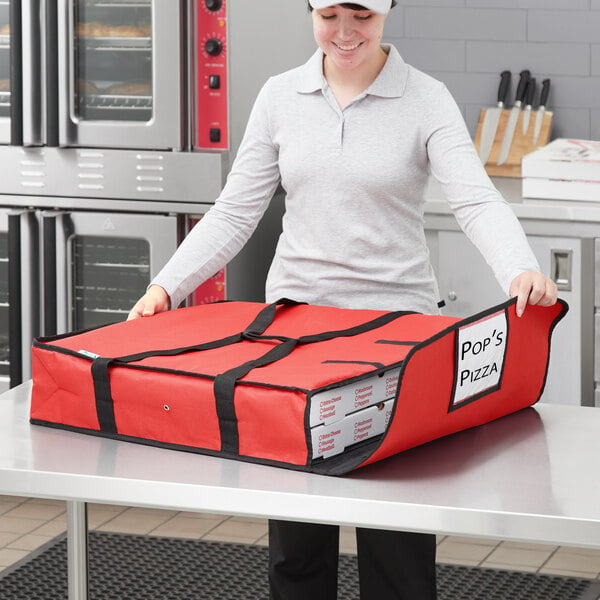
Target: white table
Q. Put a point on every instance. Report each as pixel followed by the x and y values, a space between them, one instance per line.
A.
pixel 533 476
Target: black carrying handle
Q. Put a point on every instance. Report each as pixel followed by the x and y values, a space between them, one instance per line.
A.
pixel 224 384
pixel 100 377
pixel 258 326
pixel 101 365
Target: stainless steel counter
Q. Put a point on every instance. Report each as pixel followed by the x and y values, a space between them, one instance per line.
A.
pixel 532 476
pixel 571 217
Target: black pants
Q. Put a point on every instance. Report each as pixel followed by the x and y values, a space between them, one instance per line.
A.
pixel 393 565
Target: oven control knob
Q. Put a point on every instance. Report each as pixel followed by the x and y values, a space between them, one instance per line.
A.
pixel 213 46
pixel 213 5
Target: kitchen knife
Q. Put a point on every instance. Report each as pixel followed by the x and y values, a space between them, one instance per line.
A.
pixel 513 118
pixel 492 117
pixel 541 110
pixel 529 97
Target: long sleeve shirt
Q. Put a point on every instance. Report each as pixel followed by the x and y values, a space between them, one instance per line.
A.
pixel 354 180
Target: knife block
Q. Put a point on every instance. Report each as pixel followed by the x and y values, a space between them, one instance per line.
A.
pixel 521 144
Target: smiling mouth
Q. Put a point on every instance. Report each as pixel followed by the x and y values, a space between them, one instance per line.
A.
pixel 347 47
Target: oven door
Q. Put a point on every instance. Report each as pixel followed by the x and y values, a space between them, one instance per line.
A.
pixel 19 293
pixel 24 44
pixel 121 75
pixel 96 265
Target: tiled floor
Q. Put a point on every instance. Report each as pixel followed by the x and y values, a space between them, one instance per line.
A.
pixel 26 524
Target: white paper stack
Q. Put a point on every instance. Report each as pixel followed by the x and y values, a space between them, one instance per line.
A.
pixel 565 169
pixel 332 439
pixel 352 413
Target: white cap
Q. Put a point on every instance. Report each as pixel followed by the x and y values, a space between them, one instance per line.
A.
pixel 379 6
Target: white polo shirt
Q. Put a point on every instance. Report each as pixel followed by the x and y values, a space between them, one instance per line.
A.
pixel 353 228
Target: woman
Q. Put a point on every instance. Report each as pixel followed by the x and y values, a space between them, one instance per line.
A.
pixel 352 136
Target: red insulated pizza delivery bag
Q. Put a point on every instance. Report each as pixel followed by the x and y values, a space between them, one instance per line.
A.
pixel 306 387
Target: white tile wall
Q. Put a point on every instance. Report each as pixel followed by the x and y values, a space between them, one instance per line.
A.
pixel 467 43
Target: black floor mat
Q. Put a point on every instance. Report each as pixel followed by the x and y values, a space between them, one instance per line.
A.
pixel 147 568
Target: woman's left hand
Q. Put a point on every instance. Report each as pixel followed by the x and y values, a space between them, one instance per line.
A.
pixel 531 287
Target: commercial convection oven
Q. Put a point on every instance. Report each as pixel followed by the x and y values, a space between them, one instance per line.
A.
pixel 119 120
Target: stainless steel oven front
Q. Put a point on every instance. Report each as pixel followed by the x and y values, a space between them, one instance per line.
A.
pixel 120 70
pixel 97 264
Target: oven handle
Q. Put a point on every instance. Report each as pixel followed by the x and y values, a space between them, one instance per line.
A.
pixel 51 73
pixel 49 272
pixel 15 310
pixel 57 230
pixel 32 73
pixel 67 126
pixel 16 74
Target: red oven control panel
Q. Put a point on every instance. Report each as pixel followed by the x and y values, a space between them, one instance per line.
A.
pixel 212 118
pixel 214 289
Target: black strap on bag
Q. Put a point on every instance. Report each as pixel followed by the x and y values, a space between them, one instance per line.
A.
pixel 224 384
pixel 101 365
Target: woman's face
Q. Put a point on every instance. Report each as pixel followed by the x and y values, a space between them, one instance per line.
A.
pixel 349 38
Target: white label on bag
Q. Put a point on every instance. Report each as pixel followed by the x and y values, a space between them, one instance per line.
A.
pixel 480 349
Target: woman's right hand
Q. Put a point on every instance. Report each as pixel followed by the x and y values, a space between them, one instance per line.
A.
pixel 154 301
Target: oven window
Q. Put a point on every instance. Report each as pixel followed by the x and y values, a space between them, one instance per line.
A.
pixel 113 60
pixel 108 276
pixel 4 60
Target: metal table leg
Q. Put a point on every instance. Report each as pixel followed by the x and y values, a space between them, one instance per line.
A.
pixel 77 550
